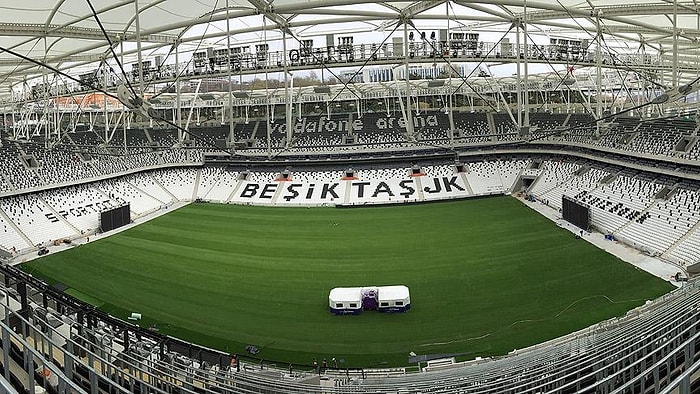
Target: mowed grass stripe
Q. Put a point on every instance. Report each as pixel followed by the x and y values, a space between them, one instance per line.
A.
pixel 486 276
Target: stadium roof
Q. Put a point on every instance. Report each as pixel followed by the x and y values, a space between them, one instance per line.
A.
pixel 67 34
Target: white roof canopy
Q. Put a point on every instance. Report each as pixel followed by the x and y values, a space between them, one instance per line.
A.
pixel 66 34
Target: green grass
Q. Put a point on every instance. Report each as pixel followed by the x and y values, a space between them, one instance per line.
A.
pixel 486 276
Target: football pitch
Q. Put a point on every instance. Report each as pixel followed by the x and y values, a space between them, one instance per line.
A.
pixel 486 276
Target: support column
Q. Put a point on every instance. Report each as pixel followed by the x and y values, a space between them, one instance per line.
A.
pixel 518 85
pixel 526 97
pixel 229 107
pixel 287 92
pixel 138 45
pixel 45 99
pixel 674 73
pixel 598 72
pixel 408 114
pixel 450 117
pixel 448 103
pixel 105 67
pixel 178 102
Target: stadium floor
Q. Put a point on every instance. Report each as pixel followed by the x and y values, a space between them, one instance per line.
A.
pixel 486 276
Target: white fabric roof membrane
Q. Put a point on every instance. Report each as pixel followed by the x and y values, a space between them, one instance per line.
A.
pixel 66 34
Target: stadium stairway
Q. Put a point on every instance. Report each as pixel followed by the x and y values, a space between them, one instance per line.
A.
pixel 155 180
pixel 466 184
pixel 14 226
pixel 682 239
pixel 59 216
pixel 7 180
pixel 419 190
pixel 208 180
pixel 196 184
pixel 548 188
pixel 346 200
pixel 641 214
pixel 234 191
pixel 279 190
pixel 554 175
pixel 132 184
pixel 104 193
pixel 565 123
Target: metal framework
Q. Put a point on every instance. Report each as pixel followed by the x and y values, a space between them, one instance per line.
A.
pixel 54 58
pixel 59 71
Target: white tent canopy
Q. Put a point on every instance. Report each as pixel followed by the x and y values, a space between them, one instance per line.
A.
pixel 353 300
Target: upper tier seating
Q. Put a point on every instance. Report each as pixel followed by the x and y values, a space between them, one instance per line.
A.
pixel 471 128
pixel 84 155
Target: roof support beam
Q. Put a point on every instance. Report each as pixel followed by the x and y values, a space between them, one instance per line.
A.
pixel 40 30
pixel 266 8
pixel 80 33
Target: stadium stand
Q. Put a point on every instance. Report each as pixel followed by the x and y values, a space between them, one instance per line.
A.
pixel 69 151
pixel 624 199
pixel 434 126
pixel 144 182
pixel 504 127
pixel 39 223
pixel 162 138
pixel 666 222
pixel 380 130
pixel 485 178
pixel 553 175
pixel 547 122
pixel 80 205
pixel 655 213
pixel 217 183
pixel 660 333
pixel 121 191
pixel 584 182
pixel 136 141
pixel 11 237
pixel 180 183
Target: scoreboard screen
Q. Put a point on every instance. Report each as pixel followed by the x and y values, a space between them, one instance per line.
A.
pixel 575 212
pixel 115 217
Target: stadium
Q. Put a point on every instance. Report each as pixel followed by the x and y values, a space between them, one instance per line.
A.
pixel 278 196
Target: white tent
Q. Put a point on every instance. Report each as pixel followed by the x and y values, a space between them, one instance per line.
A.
pixel 394 299
pixel 345 300
pixel 349 300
